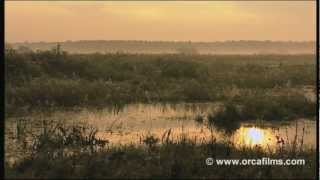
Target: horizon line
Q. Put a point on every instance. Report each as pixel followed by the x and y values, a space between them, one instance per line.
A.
pixel 175 41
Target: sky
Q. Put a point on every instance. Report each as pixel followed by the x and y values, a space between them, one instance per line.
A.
pixel 35 21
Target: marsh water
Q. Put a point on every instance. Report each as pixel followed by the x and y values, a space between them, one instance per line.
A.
pixel 133 122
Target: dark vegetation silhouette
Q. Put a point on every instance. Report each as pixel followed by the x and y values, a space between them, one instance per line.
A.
pixel 160 47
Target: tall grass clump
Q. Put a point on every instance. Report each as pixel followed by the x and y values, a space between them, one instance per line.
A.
pixel 263 106
pixel 227 118
pixel 276 107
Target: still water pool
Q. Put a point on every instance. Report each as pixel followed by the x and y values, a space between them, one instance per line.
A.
pixel 131 123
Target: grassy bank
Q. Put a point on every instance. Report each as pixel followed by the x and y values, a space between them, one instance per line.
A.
pixel 43 79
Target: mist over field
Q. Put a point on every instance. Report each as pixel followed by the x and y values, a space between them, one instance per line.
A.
pixel 158 47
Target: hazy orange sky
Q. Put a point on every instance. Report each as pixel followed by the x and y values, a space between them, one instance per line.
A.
pixel 154 20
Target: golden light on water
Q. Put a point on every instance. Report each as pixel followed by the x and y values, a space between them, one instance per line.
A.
pixel 255 135
pixel 250 136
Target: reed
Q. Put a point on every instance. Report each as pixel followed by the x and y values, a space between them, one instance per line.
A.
pixel 184 158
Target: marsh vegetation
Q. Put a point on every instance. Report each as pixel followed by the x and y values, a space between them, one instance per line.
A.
pixel 120 115
pixel 36 80
pixel 61 151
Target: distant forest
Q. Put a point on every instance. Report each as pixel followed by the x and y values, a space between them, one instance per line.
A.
pixel 186 47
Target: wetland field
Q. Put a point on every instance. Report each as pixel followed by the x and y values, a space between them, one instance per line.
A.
pixel 122 115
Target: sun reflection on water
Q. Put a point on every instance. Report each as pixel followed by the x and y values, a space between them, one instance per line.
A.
pixel 250 136
pixel 256 136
